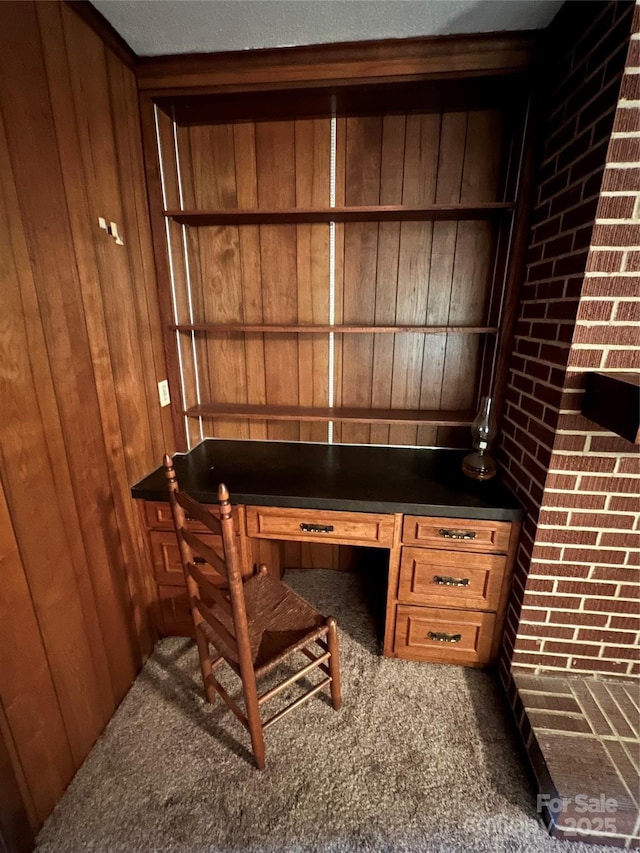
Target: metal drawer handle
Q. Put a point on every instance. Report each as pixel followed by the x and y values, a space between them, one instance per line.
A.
pixel 457 534
pixel 316 528
pixel 446 580
pixel 199 560
pixel 443 637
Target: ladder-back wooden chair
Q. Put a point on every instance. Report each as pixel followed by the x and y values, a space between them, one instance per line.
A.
pixel 253 623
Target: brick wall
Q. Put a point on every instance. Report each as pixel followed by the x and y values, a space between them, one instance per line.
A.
pixel 574 605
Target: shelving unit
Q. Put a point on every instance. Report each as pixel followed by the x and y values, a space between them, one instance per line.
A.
pixel 339 273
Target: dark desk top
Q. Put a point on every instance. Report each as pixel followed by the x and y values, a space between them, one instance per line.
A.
pixel 422 481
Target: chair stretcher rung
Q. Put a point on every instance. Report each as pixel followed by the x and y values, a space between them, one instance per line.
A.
pixel 324 683
pixel 228 700
pixel 311 656
pixel 316 661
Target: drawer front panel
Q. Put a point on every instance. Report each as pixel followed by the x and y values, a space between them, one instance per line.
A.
pixel 444 636
pixel 166 558
pixel 355 528
pixel 456 534
pixel 158 515
pixel 448 579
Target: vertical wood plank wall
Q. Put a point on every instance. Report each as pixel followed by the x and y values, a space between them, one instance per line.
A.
pixel 80 356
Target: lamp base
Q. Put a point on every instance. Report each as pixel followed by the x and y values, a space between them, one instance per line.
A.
pixel 479 466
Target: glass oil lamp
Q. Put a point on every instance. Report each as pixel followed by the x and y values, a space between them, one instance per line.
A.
pixel 480 465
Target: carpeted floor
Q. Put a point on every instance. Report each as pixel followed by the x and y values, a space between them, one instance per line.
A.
pixel 420 758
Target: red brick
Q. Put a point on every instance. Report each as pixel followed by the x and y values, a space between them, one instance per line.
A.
pixel 539 585
pixel 620 540
pixel 608 484
pixel 574 501
pixel 617 574
pixel 567 536
pixel 614 286
pixel 630 88
pixel 623 359
pixel 592 619
pixel 532 614
pixel 602 520
pixel 544 660
pixel 626 120
pixel 630 623
pixel 590 464
pixel 585 555
pixel 566 482
pixel 599 636
pixel 599 665
pixel 628 311
pixel 616 235
pixel 571 648
pixel 595 311
pixel 608 335
pixel 616 207
pixel 587 588
pixel 608 444
pixel 621 180
pixel 631 465
pixel 604 261
pixel 571 264
pixel 546 631
pixel 623 504
pixel 560 570
pixel 562 602
pixel 622 652
pixel 612 605
pixel 633 262
pixel 626 150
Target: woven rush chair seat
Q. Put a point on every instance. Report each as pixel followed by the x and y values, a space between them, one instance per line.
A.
pixel 253 621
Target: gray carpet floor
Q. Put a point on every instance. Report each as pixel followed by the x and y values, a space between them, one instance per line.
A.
pixel 420 758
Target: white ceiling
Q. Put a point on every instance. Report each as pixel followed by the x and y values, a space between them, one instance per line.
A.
pixel 156 27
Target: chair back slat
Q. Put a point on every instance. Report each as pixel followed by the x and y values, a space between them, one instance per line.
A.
pixel 227 643
pixel 210 589
pixel 206 551
pixel 197 512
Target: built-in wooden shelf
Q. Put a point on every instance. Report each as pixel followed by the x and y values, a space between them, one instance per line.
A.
pixel 362 213
pixel 354 415
pixel 271 328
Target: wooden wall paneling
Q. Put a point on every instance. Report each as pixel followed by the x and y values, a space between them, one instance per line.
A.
pixel 391 176
pixel 50 413
pixel 252 295
pixel 312 170
pixel 213 167
pixel 113 331
pixel 363 153
pixel 420 173
pixel 275 170
pixel 451 146
pixel 163 273
pixel 31 722
pixel 339 261
pixel 18 821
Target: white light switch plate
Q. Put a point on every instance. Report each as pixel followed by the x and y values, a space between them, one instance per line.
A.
pixel 163 393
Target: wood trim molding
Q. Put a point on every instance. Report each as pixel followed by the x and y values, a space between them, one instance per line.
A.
pixel 99 24
pixel 382 61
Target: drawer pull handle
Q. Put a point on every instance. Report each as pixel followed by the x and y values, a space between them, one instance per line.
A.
pixel 446 580
pixel 443 637
pixel 316 528
pixel 457 534
pixel 199 560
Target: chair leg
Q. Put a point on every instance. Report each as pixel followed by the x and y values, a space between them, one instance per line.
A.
pixel 206 668
pixel 256 731
pixel 334 663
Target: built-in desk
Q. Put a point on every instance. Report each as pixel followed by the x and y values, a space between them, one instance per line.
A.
pixel 451 541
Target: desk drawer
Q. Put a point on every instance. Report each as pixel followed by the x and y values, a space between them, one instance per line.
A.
pixel 451 579
pixel 158 516
pixel 167 567
pixel 456 534
pixel 444 636
pixel 349 528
